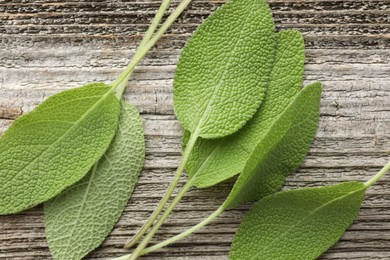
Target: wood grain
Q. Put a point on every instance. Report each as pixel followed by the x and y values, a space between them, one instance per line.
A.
pixel 49 46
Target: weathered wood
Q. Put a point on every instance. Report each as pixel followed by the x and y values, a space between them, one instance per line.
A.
pixel 49 46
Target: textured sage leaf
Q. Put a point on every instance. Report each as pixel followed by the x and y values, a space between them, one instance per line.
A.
pixel 78 220
pixel 215 160
pixel 282 150
pixel 297 224
pixel 55 145
pixel 224 69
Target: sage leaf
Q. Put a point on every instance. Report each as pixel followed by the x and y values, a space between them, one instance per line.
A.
pixel 282 150
pixel 297 224
pixel 55 145
pixel 215 160
pixel 224 69
pixel 78 220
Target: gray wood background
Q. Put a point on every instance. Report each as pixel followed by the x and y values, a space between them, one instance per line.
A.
pixel 50 45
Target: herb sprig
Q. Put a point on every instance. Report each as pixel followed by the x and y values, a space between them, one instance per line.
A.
pixel 268 148
pixel 237 93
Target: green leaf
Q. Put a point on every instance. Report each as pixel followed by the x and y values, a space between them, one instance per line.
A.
pixel 297 224
pixel 282 150
pixel 216 160
pixel 224 69
pixel 78 220
pixel 55 145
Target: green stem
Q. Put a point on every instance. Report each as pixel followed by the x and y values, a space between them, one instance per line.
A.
pixel 155 22
pixel 160 221
pixel 185 233
pixel 177 237
pixel 149 33
pixel 142 51
pixel 123 85
pixel 168 193
pixel 377 176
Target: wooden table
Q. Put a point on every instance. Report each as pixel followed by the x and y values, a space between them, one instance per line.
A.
pixel 49 46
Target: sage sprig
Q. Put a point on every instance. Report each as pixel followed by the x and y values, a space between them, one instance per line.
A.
pixel 237 93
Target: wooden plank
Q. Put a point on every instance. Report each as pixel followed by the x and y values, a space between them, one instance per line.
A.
pixel 49 46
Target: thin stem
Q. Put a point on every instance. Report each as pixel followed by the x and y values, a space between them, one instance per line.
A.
pixel 177 237
pixel 377 176
pixel 142 51
pixel 149 33
pixel 123 85
pixel 161 220
pixel 128 71
pixel 168 193
pixel 155 22
pixel 185 233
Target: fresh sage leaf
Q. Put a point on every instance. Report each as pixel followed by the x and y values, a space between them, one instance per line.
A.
pixel 224 69
pixel 55 145
pixel 78 220
pixel 297 224
pixel 282 150
pixel 215 160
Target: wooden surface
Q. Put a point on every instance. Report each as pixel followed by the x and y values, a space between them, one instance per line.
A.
pixel 49 46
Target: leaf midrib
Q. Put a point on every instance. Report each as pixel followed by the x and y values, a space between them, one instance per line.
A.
pixel 82 205
pixel 302 220
pixel 62 104
pixel 204 163
pixel 238 190
pixel 275 119
pixel 220 80
pixel 251 151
